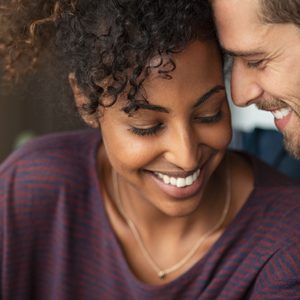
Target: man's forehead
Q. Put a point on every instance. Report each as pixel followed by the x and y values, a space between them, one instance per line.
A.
pixel 240 29
pixel 246 43
pixel 242 10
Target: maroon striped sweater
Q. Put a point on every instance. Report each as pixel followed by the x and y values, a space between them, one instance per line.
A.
pixel 57 243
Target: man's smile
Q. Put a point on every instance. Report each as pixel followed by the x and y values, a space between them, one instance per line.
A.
pixel 281 113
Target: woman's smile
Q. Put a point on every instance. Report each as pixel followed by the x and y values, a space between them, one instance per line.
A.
pixel 180 180
pixel 179 186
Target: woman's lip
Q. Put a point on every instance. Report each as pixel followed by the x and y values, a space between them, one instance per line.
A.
pixel 179 192
pixel 175 174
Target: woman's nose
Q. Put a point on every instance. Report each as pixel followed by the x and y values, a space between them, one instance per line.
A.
pixel 183 149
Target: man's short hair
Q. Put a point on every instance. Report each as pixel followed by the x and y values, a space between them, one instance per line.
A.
pixel 281 11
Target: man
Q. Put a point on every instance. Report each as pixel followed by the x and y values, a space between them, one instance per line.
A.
pixel 263 38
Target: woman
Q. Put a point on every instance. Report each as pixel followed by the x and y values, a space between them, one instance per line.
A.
pixel 148 204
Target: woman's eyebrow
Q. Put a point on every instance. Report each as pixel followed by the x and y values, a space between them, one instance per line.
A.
pixel 202 99
pixel 208 94
pixel 152 107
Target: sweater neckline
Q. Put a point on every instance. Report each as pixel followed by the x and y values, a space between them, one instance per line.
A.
pixel 221 242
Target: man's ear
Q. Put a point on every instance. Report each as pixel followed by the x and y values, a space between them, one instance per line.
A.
pixel 80 100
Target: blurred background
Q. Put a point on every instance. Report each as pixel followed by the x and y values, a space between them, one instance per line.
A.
pixel 42 103
pixel 38 104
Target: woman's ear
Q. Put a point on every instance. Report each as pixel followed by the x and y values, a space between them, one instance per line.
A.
pixel 80 100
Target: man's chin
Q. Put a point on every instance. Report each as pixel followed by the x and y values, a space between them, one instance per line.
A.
pixel 292 145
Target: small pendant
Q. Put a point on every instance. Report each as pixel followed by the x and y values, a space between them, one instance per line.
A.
pixel 162 275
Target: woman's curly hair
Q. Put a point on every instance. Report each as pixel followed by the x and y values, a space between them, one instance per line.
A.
pixel 108 44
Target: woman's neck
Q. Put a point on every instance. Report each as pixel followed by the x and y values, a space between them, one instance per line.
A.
pixel 154 224
pixel 168 239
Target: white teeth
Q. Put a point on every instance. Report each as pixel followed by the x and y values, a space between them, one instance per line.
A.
pixel 195 175
pixel 189 180
pixel 179 182
pixel 166 179
pixel 173 181
pixel 281 113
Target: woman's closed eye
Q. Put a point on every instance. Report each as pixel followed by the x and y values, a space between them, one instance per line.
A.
pixel 209 118
pixel 153 130
pixel 146 131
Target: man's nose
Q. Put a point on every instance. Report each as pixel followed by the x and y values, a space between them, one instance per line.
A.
pixel 183 149
pixel 245 87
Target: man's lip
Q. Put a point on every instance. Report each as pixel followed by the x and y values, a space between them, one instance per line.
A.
pixel 273 108
pixel 281 123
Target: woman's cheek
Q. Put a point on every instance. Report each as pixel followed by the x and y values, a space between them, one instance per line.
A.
pixel 216 136
pixel 126 151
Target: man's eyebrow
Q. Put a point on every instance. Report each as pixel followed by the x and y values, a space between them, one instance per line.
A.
pixel 206 96
pixel 248 53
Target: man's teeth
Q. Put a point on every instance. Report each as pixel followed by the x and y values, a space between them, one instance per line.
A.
pixel 281 113
pixel 179 182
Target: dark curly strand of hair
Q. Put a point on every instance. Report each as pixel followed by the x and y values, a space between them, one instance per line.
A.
pixel 107 43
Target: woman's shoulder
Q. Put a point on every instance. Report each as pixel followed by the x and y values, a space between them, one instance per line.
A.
pixel 272 187
pixel 53 149
pixel 274 203
pixel 266 176
pixel 46 164
pixel 50 175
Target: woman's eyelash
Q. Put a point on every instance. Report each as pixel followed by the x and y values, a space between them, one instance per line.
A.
pixel 146 131
pixel 210 119
pixel 155 129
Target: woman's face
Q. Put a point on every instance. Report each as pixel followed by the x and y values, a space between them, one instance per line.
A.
pixel 165 152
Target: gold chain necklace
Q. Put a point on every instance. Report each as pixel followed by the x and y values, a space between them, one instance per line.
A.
pixel 162 273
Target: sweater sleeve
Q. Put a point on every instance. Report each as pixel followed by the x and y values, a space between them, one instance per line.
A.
pixel 280 277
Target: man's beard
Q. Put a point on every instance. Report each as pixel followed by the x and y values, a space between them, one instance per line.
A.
pixel 269 104
pixel 292 144
pixel 291 139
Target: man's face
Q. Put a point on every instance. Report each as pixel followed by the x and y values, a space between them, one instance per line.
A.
pixel 266 64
